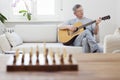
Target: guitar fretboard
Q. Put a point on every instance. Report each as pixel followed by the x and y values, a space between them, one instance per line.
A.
pixel 86 24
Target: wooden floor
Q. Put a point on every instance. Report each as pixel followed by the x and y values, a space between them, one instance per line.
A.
pixel 91 67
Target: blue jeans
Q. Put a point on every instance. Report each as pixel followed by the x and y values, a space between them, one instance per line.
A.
pixel 87 41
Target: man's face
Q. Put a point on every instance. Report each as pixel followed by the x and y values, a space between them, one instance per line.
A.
pixel 79 12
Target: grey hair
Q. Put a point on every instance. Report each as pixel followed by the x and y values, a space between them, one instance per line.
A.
pixel 76 7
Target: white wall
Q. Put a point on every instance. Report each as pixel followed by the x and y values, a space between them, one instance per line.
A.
pixel 92 8
pixel 118 13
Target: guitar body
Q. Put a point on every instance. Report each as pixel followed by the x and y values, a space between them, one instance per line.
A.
pixel 66 36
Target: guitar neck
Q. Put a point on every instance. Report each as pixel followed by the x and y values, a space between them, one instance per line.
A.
pixel 86 24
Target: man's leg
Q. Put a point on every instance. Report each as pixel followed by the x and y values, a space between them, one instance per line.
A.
pixel 85 46
pixel 79 38
pixel 82 41
pixel 92 42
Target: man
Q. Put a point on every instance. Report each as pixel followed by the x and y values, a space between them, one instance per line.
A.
pixel 86 38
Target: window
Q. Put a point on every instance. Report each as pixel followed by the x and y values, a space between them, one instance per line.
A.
pixel 40 9
pixel 45 7
pixel 21 5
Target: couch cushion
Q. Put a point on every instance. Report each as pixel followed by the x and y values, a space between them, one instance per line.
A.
pixel 4 43
pixel 57 47
pixel 37 33
pixel 111 43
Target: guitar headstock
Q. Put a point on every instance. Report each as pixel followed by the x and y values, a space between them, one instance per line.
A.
pixel 106 17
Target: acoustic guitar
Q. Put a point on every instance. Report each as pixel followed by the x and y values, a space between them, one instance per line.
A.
pixel 67 37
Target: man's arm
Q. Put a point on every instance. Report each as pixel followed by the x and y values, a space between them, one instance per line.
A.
pixel 96 30
pixel 69 27
pixel 63 26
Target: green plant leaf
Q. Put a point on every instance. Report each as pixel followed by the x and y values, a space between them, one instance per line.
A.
pixel 29 16
pixel 24 14
pixel 21 11
pixel 2 20
pixel 3 16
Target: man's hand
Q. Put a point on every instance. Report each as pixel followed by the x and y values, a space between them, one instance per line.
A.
pixel 98 21
pixel 71 28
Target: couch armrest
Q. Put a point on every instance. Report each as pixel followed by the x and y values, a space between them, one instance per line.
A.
pixel 111 43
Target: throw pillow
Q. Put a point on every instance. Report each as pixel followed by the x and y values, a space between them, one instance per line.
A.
pixel 14 39
pixel 4 43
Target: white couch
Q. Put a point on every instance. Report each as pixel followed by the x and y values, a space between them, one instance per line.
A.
pixel 112 42
pixel 34 35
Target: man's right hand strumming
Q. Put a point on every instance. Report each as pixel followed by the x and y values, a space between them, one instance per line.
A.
pixel 71 28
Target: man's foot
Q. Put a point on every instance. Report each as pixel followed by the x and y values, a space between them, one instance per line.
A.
pixel 95 51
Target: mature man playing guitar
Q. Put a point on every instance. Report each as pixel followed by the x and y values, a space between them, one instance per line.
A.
pixel 85 38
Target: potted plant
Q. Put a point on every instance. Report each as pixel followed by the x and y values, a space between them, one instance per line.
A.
pixel 2 20
pixel 26 12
